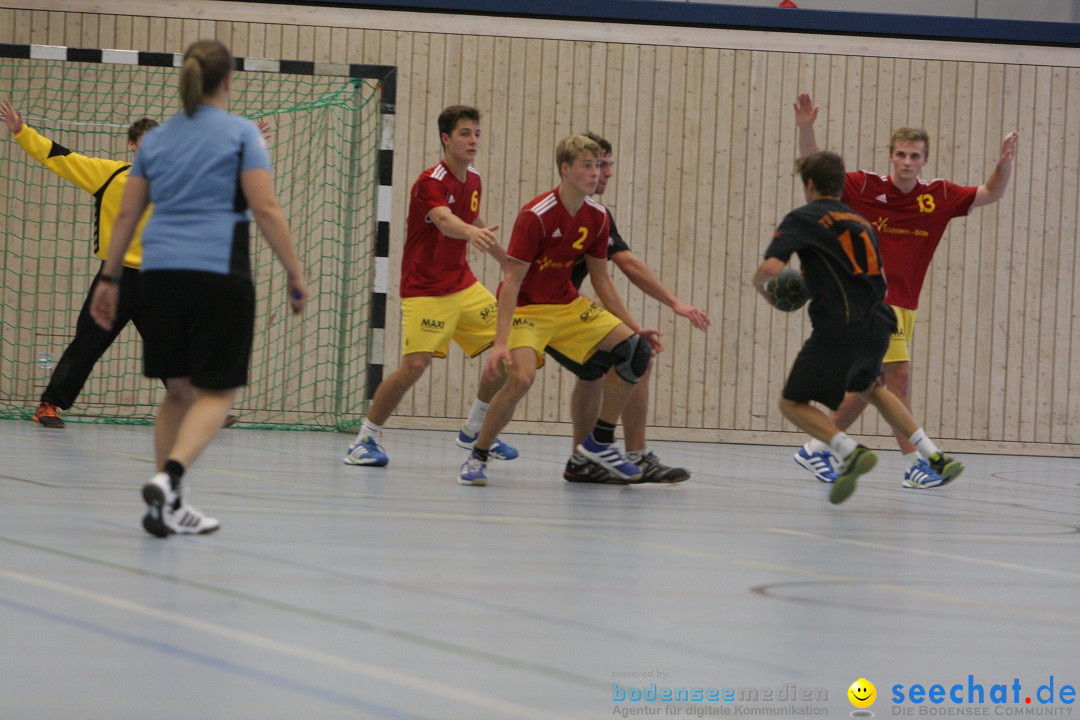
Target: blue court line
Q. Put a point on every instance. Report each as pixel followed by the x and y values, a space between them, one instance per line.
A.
pixel 210 661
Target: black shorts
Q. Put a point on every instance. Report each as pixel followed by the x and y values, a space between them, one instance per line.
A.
pixel 198 325
pixel 594 368
pixel 829 365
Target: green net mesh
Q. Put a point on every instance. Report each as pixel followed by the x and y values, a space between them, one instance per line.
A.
pixel 306 372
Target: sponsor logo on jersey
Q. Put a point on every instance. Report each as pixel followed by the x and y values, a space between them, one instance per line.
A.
pixel 881 198
pixel 487 314
pixel 591 312
pixel 884 228
pixel 450 200
pixel 546 263
pixel 431 325
pixel 557 233
pixel 524 322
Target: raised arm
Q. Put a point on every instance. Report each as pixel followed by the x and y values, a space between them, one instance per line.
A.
pixel 643 277
pixel 994 188
pixel 806 113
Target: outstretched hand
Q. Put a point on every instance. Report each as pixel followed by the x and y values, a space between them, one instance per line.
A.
pixel 805 110
pixel 482 238
pixel 1008 146
pixel 11 117
pixel 697 318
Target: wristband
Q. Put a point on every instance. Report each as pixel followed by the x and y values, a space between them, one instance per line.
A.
pixel 108 279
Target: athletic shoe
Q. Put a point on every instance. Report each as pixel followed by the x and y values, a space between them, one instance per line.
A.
pixel 230 420
pixel 861 461
pixel 168 514
pixel 581 469
pixel 654 471
pixel 940 470
pixel 499 450
pixel 609 457
pixel 472 472
pixel 48 415
pixel 820 464
pixel 366 451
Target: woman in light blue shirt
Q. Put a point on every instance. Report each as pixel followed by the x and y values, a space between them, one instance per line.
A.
pixel 207 172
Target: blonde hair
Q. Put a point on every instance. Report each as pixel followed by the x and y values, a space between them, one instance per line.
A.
pixel 569 148
pixel 906 134
pixel 206 65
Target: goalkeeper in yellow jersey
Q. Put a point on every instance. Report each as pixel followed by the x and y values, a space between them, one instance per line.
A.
pixel 105 181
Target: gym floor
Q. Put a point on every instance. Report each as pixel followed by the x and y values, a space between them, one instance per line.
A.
pixel 342 592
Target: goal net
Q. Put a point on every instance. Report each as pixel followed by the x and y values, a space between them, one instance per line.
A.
pixel 307 371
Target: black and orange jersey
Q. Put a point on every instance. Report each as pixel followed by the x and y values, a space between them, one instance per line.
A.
pixel 104 179
pixel 840 262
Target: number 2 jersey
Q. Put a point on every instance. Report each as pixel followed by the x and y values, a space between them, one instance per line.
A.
pixel 909 225
pixel 433 264
pixel 840 262
pixel 552 240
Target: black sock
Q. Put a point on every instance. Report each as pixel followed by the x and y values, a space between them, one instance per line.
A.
pixel 175 471
pixel 481 455
pixel 604 432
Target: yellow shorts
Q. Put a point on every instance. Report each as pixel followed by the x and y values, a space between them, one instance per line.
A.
pixel 467 316
pixel 573 329
pixel 900 345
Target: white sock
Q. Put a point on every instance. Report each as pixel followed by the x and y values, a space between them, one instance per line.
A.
pixel 923 444
pixel 842 445
pixel 369 430
pixel 476 418
pixel 911 458
pixel 815 446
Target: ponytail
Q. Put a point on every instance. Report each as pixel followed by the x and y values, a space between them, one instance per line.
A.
pixel 206 65
pixel 191 84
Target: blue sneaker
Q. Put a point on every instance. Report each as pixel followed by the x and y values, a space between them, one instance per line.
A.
pixel 940 470
pixel 609 458
pixel 820 464
pixel 366 451
pixel 499 450
pixel 472 472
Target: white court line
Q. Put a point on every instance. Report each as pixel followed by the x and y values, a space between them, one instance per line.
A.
pixel 502 708
pixel 905 550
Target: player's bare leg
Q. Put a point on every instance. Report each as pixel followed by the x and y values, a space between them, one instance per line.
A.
pixel 394 386
pixel 365 450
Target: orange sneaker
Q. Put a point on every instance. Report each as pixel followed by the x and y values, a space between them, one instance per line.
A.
pixel 48 415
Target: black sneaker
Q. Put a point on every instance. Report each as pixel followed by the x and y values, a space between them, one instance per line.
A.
pixel 861 461
pixel 654 471
pixel 948 468
pixel 581 469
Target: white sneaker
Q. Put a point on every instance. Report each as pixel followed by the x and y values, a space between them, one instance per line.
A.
pixel 168 514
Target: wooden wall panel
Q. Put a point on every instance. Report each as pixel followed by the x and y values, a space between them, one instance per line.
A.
pixel 704 144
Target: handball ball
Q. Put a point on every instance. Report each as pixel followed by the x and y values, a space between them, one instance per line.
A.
pixel 787 291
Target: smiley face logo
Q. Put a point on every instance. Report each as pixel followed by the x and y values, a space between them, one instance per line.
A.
pixel 862 693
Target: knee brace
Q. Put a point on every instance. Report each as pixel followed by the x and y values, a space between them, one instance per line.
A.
pixel 631 358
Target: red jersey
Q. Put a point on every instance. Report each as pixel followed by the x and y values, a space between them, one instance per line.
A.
pixel 433 264
pixel 551 240
pixel 909 225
